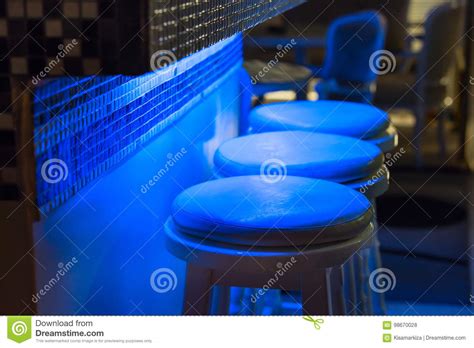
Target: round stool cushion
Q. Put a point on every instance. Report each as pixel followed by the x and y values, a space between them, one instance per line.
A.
pixel 249 210
pixel 356 120
pixel 314 155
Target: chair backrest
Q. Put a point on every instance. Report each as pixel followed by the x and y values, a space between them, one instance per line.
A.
pixel 350 42
pixel 443 34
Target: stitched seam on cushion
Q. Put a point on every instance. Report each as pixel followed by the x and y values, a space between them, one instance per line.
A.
pixel 378 160
pixel 259 247
pixel 337 179
pixel 367 136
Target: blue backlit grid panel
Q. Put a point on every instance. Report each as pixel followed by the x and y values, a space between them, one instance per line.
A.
pixel 186 26
pixel 94 123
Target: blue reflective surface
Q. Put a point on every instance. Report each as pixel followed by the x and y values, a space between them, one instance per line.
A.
pixel 92 124
pixel 113 226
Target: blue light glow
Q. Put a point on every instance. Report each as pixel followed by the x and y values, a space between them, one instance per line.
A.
pixel 93 123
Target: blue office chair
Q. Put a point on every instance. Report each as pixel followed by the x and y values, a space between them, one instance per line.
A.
pixel 351 43
pixel 346 73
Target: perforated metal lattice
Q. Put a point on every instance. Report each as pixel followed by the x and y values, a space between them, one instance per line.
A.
pixel 184 27
pixel 87 125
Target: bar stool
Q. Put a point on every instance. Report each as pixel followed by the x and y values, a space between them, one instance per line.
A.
pixel 352 162
pixel 355 120
pixel 247 232
pixel 329 157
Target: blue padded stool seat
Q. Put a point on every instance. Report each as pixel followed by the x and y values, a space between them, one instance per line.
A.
pixel 247 210
pixel 355 120
pixel 355 163
pixel 315 155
